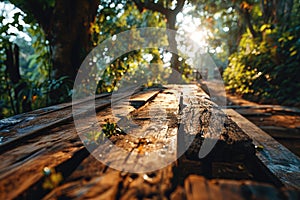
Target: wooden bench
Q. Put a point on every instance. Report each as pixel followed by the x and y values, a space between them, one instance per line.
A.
pixel 43 157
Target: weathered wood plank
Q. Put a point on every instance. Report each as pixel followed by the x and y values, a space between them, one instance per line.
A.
pixel 276 108
pixel 281 132
pixel 154 128
pixel 279 160
pixel 255 114
pixel 51 148
pixel 26 162
pixel 207 128
pixel 55 144
pixel 150 140
pixel 199 188
pixel 35 125
pixel 40 154
pixel 25 119
pixel 142 98
pixel 87 175
pixel 154 185
pixel 30 124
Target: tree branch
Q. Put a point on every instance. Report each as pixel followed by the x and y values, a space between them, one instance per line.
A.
pixel 246 15
pixel 158 8
pixel 179 6
pixel 151 6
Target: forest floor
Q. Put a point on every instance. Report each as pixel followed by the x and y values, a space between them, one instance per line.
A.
pixel 280 122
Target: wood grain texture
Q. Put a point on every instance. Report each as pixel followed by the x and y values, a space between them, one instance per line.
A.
pixel 278 159
pixel 172 122
pixel 199 188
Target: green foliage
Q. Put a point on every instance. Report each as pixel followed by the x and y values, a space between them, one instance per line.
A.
pixel 39 66
pixel 264 65
pixel 36 83
pixel 239 75
pixel 267 68
pixel 113 18
pixel 7 103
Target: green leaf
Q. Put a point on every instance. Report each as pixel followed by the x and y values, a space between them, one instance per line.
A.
pixel 264 26
pixel 293 53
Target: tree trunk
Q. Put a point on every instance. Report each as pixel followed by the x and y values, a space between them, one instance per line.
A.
pixel 14 75
pixel 175 76
pixel 13 71
pixel 244 12
pixel 66 24
pixel 170 15
pixel 69 35
pixel 171 20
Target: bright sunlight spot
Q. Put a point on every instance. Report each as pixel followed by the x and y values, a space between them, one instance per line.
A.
pixel 225 29
pixel 199 37
pixel 8 11
pixel 187 22
pixel 192 27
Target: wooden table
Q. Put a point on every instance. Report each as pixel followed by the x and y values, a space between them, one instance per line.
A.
pixel 43 157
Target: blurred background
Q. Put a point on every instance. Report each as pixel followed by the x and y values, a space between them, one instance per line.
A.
pixel 255 45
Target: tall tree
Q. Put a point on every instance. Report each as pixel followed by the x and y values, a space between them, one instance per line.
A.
pixel 66 24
